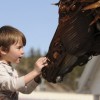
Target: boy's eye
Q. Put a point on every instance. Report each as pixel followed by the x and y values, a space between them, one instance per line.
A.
pixel 19 47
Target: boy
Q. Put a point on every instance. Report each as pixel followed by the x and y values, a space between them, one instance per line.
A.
pixel 12 42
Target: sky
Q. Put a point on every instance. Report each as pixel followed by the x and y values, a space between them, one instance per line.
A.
pixel 37 19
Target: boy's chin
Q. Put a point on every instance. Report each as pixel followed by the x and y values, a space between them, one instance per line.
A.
pixel 17 62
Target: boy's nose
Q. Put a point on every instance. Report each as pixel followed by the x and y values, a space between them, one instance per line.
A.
pixel 22 51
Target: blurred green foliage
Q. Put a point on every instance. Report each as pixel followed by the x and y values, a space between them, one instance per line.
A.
pixel 71 79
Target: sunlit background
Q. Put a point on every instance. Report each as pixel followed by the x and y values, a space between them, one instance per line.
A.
pixel 38 20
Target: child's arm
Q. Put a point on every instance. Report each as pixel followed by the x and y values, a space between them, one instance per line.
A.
pixel 29 79
pixel 40 63
pixel 12 83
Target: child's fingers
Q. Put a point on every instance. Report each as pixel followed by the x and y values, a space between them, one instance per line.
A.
pixel 45 64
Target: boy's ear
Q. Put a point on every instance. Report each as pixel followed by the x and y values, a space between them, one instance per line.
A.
pixel 2 51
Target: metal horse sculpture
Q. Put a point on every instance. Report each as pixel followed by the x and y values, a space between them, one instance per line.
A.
pixel 76 39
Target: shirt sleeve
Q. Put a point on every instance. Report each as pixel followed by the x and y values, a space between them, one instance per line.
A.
pixel 8 81
pixel 29 87
pixel 13 82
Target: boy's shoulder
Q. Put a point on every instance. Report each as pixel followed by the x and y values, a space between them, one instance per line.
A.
pixel 5 67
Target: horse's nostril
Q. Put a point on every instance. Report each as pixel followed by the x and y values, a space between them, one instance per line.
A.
pixel 59 79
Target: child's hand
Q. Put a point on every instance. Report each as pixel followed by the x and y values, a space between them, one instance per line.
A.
pixel 40 63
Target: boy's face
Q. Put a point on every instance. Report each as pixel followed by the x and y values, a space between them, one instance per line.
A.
pixel 15 53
